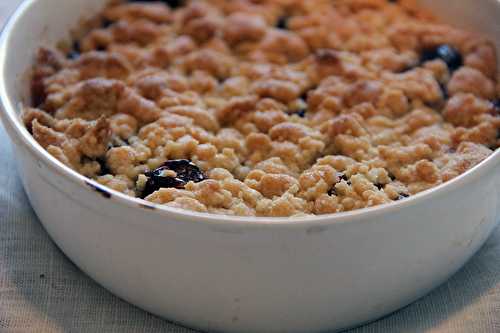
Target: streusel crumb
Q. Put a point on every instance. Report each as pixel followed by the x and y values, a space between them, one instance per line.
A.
pixel 268 108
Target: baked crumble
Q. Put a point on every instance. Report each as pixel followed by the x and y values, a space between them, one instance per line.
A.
pixel 268 108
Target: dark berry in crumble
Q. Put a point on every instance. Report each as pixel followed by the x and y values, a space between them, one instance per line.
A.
pixel 104 167
pixel 301 113
pixel 105 23
pixel 170 3
pixel 496 106
pixel 75 51
pixel 450 55
pixel 341 176
pixel 282 23
pixel 402 196
pixel 185 170
pixel 444 90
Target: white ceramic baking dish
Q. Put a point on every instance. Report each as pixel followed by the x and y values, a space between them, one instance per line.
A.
pixel 229 274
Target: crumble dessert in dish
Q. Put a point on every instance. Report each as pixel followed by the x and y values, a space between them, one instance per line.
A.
pixel 267 107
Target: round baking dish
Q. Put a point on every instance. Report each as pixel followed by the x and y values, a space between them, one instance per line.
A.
pixel 235 274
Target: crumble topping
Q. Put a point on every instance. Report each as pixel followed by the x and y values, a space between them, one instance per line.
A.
pixel 268 108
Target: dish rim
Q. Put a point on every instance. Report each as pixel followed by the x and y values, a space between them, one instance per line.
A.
pixel 11 119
